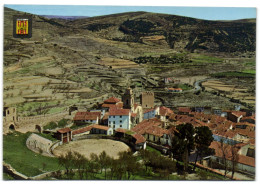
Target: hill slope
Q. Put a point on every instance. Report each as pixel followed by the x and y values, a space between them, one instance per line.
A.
pixel 181 33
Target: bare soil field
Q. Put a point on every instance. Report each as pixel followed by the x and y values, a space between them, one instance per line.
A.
pixel 231 91
pixel 96 146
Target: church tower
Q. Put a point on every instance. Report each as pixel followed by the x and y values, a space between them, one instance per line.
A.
pixel 128 99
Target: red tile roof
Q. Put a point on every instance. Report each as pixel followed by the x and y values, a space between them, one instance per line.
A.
pixel 238 113
pixel 82 130
pixel 184 109
pixel 86 116
pixel 248 117
pixel 241 158
pixel 148 110
pixel 64 130
pixel 139 138
pixel 108 105
pixel 133 114
pixel 153 127
pixel 121 130
pixel 164 111
pixel 101 127
pixel 105 117
pixel 155 130
pixel 119 112
pixel 112 100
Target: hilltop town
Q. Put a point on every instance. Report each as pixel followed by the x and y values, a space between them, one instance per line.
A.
pixel 144 124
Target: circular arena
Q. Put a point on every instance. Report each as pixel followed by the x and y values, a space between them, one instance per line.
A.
pixel 96 146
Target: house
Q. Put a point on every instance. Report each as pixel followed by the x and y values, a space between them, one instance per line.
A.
pixel 246 149
pixel 82 131
pixel 104 120
pixel 99 129
pixel 137 139
pixel 152 131
pixel 235 116
pixel 87 117
pixel 64 135
pixel 111 102
pixel 216 111
pixel 164 113
pixel 149 113
pixel 119 118
pixel 175 90
pixel 93 129
pixel 198 109
pixel 249 119
pixel 184 110
pixel 243 164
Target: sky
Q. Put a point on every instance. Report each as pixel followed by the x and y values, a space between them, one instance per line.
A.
pixel 208 13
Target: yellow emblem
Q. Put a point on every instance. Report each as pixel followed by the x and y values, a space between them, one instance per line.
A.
pixel 22 26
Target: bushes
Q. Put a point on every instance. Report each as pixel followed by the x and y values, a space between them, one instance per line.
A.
pixel 52 125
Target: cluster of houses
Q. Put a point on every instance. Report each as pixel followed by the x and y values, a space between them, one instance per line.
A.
pixel 145 123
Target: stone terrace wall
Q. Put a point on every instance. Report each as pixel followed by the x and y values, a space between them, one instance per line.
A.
pixel 42 118
pixel 26 124
pixel 7 168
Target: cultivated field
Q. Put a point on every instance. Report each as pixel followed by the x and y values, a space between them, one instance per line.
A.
pixel 96 146
pixel 118 63
pixel 231 91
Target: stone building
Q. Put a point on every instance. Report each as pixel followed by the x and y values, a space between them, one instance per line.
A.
pixel 147 100
pixel 9 118
pixel 128 99
pixel 64 134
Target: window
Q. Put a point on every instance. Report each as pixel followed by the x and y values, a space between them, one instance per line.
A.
pixel 120 116
pixel 110 116
pixel 120 121
pixel 120 125
pixel 114 122
pixel 113 116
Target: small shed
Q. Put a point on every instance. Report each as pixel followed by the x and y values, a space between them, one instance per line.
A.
pixel 64 134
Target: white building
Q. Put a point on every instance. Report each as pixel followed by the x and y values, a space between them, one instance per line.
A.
pixel 119 118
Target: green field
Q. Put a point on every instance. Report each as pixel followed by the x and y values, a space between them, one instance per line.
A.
pixel 234 74
pixel 206 59
pixel 24 160
pixel 250 71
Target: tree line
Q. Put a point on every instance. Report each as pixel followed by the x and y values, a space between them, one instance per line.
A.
pixel 126 166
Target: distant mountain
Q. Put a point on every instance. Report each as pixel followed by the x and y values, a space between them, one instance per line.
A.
pixel 180 33
pixel 64 17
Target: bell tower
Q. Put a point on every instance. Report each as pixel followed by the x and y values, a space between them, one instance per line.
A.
pixel 128 99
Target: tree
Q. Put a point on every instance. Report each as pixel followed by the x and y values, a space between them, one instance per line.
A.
pixel 224 150
pixel 94 165
pixel 203 139
pixel 104 161
pixel 129 164
pixel 234 159
pixel 146 157
pixel 79 161
pixel 66 161
pixel 183 143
